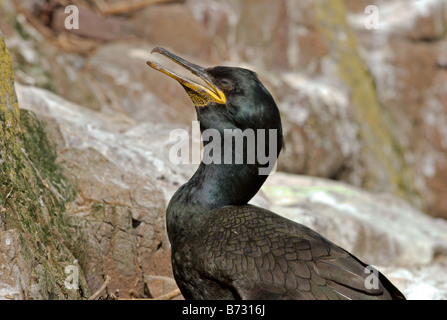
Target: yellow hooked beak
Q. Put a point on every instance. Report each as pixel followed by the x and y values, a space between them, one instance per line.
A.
pixel 199 94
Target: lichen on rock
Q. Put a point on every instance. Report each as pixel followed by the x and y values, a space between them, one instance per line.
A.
pixel 33 194
pixel 381 152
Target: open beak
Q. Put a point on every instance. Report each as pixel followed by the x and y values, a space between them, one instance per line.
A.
pixel 199 94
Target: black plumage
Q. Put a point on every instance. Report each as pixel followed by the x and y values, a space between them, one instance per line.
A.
pixel 223 248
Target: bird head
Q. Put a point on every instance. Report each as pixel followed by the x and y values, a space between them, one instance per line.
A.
pixel 232 97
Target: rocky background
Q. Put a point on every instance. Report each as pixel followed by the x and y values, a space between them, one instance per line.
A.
pixel 84 134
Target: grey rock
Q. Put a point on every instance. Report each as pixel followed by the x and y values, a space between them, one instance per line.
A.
pixel 14 276
pixel 121 197
pixel 421 282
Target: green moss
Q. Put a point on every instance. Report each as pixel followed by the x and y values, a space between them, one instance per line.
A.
pixel 97 207
pixel 381 154
pixel 8 100
pixel 34 192
pixel 19 28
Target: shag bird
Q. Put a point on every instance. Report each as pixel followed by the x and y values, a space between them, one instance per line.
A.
pixel 224 248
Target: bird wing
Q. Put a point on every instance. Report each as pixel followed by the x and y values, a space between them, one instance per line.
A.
pixel 259 255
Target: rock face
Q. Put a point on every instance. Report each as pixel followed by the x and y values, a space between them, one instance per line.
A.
pixel 36 243
pixel 121 217
pixel 421 282
pixel 136 95
pixel 410 76
pixel 121 190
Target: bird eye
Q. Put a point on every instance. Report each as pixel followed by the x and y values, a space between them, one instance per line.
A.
pixel 226 84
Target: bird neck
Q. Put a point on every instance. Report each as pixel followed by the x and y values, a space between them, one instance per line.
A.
pixel 212 186
pixel 234 165
pixel 219 185
pixel 217 182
